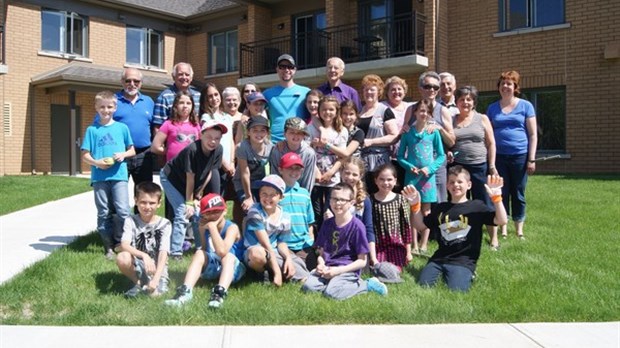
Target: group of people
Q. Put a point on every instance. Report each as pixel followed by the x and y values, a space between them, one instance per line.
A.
pixel 325 184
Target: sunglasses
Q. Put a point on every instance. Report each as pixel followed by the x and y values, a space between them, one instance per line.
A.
pixel 429 87
pixel 247 91
pixel 284 67
pixel 132 80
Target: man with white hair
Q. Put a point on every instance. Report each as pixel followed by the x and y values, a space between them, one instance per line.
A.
pixel 183 75
pixel 334 70
pixel 447 86
pixel 135 110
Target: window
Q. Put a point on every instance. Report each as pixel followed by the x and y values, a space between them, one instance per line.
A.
pixel 224 52
pixel 64 32
pixel 516 14
pixel 144 47
pixel 550 106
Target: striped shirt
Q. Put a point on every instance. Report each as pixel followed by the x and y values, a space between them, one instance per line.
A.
pixel 297 204
pixel 163 104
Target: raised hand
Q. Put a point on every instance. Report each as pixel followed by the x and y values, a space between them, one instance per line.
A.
pixel 411 194
pixel 494 185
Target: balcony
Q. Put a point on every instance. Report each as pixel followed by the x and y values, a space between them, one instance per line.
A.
pixel 382 40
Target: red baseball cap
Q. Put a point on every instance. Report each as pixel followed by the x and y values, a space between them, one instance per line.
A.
pixel 212 202
pixel 290 159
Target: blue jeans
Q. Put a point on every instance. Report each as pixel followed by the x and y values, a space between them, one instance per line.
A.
pixel 478 175
pixel 179 224
pixel 513 168
pixel 108 194
pixel 457 278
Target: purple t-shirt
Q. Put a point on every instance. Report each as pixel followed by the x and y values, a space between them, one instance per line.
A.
pixel 342 92
pixel 341 245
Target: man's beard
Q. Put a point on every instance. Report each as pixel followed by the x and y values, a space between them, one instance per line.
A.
pixel 130 92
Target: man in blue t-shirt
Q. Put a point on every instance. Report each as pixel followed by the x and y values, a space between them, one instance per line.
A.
pixel 285 100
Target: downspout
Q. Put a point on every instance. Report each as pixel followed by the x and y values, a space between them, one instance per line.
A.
pixel 32 129
pixel 437 36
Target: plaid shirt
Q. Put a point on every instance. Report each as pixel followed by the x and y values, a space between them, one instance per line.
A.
pixel 163 104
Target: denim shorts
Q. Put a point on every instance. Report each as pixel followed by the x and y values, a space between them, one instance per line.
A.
pixel 213 268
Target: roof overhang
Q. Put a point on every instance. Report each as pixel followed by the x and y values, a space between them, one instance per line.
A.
pixel 411 64
pixel 95 78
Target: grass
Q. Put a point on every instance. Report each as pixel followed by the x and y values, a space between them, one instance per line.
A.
pixel 20 192
pixel 565 271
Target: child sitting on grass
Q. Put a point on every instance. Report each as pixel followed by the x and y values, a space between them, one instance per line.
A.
pixel 218 257
pixel 460 224
pixel 265 229
pixel 145 244
pixel 343 250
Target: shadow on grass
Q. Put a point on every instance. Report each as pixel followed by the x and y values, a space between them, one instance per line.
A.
pixel 112 283
pixel 84 243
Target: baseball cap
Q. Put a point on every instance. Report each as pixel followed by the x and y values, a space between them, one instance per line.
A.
pixel 214 124
pixel 256 96
pixel 272 180
pixel 296 123
pixel 212 202
pixel 387 272
pixel 290 159
pixel 286 57
pixel 257 121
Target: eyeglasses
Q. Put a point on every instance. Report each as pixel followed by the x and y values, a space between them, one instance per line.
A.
pixel 135 82
pixel 285 67
pixel 429 87
pixel 340 200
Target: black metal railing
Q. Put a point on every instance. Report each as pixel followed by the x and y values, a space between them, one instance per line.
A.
pixel 390 37
pixel 2 45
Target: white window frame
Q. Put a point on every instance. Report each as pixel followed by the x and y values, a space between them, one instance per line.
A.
pixel 232 53
pixel 145 52
pixel 65 35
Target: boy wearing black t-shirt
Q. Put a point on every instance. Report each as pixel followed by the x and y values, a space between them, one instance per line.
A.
pixel 459 225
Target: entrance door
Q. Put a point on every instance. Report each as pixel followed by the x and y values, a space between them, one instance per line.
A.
pixel 309 40
pixel 61 139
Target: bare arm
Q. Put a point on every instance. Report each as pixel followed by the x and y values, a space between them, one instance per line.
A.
pixel 88 159
pixel 330 272
pixel 532 133
pixel 158 146
pixel 263 240
pixel 447 131
pixel 344 152
pixel 489 140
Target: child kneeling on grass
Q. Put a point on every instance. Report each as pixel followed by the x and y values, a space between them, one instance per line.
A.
pixel 221 249
pixel 460 224
pixel 145 244
pixel 343 250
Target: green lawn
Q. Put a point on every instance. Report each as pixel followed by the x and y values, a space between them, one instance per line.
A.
pixel 20 192
pixel 566 270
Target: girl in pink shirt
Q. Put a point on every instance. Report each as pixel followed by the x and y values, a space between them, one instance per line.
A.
pixel 180 130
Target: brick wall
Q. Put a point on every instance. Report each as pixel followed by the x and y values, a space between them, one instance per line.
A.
pixel 572 57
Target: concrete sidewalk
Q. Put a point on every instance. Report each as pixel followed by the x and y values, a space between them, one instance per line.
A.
pixel 31 234
pixel 599 335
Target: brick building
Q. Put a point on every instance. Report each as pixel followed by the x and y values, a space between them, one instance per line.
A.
pixel 56 55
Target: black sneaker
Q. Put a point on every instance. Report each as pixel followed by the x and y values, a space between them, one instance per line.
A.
pixel 218 294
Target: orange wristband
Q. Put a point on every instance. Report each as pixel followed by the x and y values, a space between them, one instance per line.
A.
pixel 416 208
pixel 496 198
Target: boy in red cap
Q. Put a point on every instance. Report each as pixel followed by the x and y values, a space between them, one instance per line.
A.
pixel 220 250
pixel 297 204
